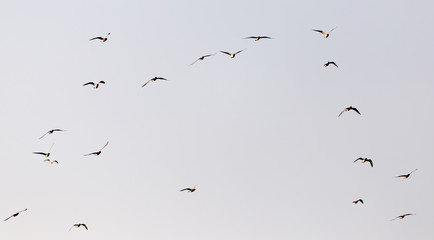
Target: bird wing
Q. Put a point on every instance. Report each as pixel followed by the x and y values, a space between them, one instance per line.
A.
pixel 239 51
pixel 72 227
pixel 22 211
pixel 146 82
pixel 361 201
pixel 102 82
pixel 185 189
pixel 8 218
pixel 402 175
pixel 370 161
pixel 320 31
pixel 413 171
pixel 332 30
pixel 334 64
pixel 160 78
pixel 57 130
pixel 358 159
pixel 209 55
pixel 84 225
pixel 250 37
pixel 357 111
pixel 342 112
pixel 194 61
pixel 104 146
pixel 90 154
pixel 55 161
pixel 41 153
pixel 43 135
pixel 394 218
pixel 226 53
pixel 265 37
pixel 89 83
pixel 100 38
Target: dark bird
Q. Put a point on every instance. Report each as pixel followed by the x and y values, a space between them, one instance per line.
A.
pixel 365 160
pixel 326 35
pixel 51 162
pixel 203 57
pixel 232 54
pixel 348 109
pixel 99 152
pixel 77 225
pixel 15 214
pixel 403 216
pixel 405 176
pixel 51 132
pixel 357 201
pixel 45 154
pixel 328 63
pixel 103 39
pixel 257 38
pixel 189 189
pixel 95 85
pixel 154 79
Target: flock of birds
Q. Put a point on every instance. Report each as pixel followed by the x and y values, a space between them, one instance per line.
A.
pixel 193 189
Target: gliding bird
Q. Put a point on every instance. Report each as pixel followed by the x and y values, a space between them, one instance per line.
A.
pixel 403 216
pixel 232 55
pixel 103 39
pixel 189 189
pixel 154 79
pixel 77 225
pixel 95 85
pixel 203 57
pixel 15 214
pixel 257 38
pixel 358 200
pixel 99 152
pixel 51 132
pixel 326 35
pixel 405 176
pixel 51 162
pixel 364 160
pixel 349 109
pixel 45 154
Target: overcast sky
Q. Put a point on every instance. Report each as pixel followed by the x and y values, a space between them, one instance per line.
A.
pixel 258 134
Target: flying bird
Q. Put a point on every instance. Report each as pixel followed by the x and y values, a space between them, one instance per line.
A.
pixel 189 189
pixel 403 216
pixel 349 109
pixel 232 55
pixel 51 162
pixel 103 39
pixel 95 85
pixel 364 160
pixel 328 63
pixel 203 57
pixel 77 225
pixel 405 176
pixel 45 154
pixel 326 35
pixel 51 132
pixel 15 214
pixel 154 79
pixel 99 152
pixel 257 38
pixel 357 201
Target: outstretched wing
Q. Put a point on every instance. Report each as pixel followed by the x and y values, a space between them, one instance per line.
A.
pixel 84 225
pixel 41 153
pixel 265 37
pixel 226 53
pixel 8 218
pixel 44 135
pixel 342 112
pixel 160 78
pixel 100 38
pixel 320 31
pixel 413 171
pixel 104 146
pixel 370 161
pixel 403 176
pixel 185 189
pixel 250 37
pixel 357 111
pixel 334 64
pixel 94 153
pixel 239 51
pixel 101 82
pixel 332 30
pixel 146 82
pixel 89 83
pixel 358 159
pixel 195 61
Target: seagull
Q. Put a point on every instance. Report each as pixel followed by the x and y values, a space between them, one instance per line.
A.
pixel 203 57
pixel 95 85
pixel 326 35
pixel 232 54
pixel 155 79
pixel 45 154
pixel 328 63
pixel 257 38
pixel 364 160
pixel 406 175
pixel 189 189
pixel 358 200
pixel 103 39
pixel 51 132
pixel 15 214
pixel 51 162
pixel 348 109
pixel 99 152
pixel 77 225
pixel 403 216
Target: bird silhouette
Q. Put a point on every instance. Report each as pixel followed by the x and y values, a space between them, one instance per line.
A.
pixel 15 214
pixel 257 38
pixel 405 176
pixel 47 154
pixel 403 216
pixel 51 162
pixel 153 80
pixel 328 63
pixel 95 85
pixel 365 160
pixel 189 189
pixel 97 153
pixel 51 132
pixel 232 55
pixel 203 57
pixel 349 109
pixel 77 225
pixel 326 35
pixel 357 201
pixel 102 39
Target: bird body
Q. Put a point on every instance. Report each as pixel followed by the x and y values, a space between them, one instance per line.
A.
pixel 102 39
pixel 326 35
pixel 95 85
pixel 349 109
pixel 232 55
pixel 365 160
pixel 15 214
pixel 154 79
pixel 98 152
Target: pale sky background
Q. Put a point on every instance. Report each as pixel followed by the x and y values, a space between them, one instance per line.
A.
pixel 259 134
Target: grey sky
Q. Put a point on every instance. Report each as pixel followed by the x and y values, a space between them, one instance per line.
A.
pixel 258 134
